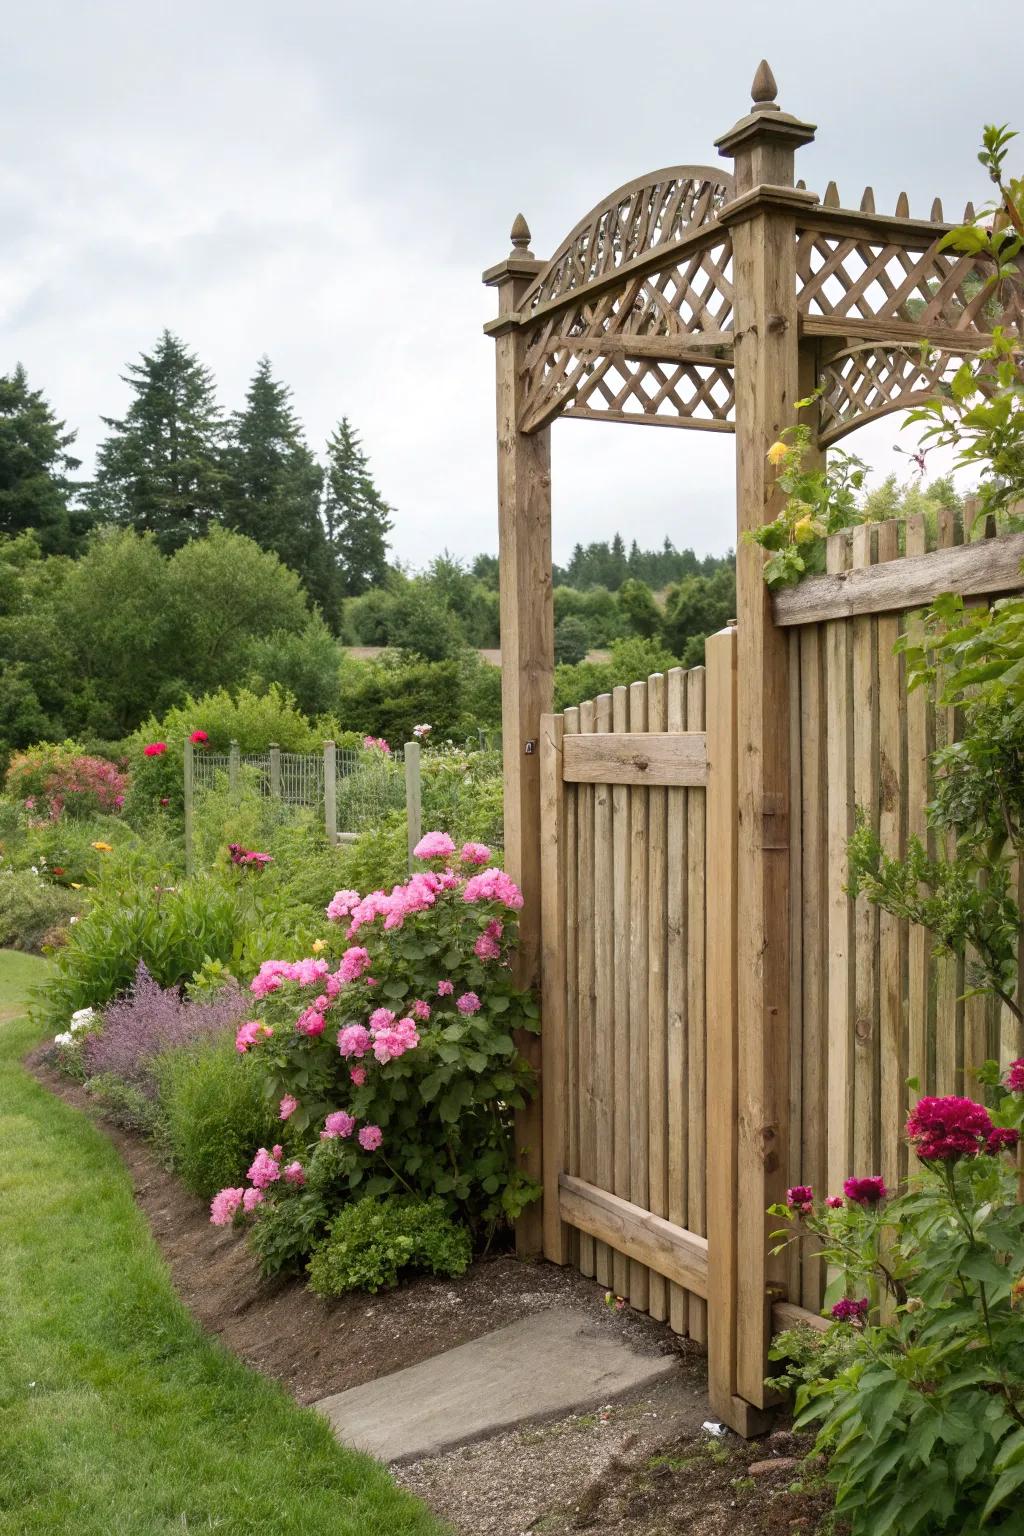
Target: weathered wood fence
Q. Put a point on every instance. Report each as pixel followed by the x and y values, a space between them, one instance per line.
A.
pixel 647 1129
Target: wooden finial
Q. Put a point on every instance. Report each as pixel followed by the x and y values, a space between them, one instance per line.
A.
pixel 867 202
pixel 903 206
pixel 801 185
pixel 764 90
pixel 937 211
pixel 831 199
pixel 520 236
pixel 969 213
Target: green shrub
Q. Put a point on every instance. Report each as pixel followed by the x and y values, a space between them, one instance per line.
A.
pixel 125 1104
pixel 213 1114
pixel 379 858
pixel 30 907
pixel 369 1243
pixel 254 720
pixel 286 1232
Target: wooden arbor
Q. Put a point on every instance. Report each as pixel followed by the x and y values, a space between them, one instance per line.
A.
pixel 694 298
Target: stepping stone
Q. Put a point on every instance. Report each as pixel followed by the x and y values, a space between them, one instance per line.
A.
pixel 554 1363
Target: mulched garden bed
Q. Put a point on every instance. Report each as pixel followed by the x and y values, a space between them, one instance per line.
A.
pixel 642 1467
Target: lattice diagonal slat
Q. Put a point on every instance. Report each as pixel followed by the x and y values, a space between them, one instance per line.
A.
pixel 854 278
pixel 637 217
pixel 665 315
pixel 660 393
pixel 871 381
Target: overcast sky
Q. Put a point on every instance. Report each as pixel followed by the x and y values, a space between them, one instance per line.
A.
pixel 325 183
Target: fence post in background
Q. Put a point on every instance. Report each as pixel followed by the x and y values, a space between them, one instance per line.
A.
pixel 554 1044
pixel 189 790
pixel 233 767
pixel 331 791
pixel 413 797
pixel 275 771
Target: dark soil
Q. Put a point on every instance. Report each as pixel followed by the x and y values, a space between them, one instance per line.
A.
pixel 641 1467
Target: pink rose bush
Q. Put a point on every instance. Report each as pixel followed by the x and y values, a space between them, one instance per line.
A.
pixel 56 781
pixel 392 1057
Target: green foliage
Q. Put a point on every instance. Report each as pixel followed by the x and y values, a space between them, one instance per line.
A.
pixel 597 608
pixel 159 469
pixel 126 1104
pixel 371 1242
pixel 391 695
pixel 572 642
pixel 923 1428
pixel 808 1355
pixel 632 659
pixel 59 780
pixel 642 615
pixel 254 720
pixel 212 1114
pixel 35 466
pixel 304 664
pixel 819 502
pixel 30 907
pixel 698 607
pixel 355 515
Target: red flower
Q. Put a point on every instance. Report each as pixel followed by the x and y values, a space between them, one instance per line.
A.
pixel 847 1311
pixel 1014 1078
pixel 155 749
pixel 944 1130
pixel 198 738
pixel 57 869
pixel 866 1192
pixel 801 1199
pixel 1000 1140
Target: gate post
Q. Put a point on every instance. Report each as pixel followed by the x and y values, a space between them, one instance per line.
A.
pixel 762 218
pixel 527 657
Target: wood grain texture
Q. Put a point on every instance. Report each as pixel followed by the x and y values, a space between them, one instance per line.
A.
pixel 696 989
pixel 586 985
pixel 638 758
pixel 984 569
pixel 677 974
pixel 555 1083
pixel 864 709
pixel 666 1251
pixel 840 914
pixel 604 989
pixel 657 1027
pixel 919 745
pixel 639 1184
pixel 892 933
pixel 620 908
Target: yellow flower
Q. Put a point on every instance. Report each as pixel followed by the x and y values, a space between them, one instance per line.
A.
pixel 76 885
pixel 102 847
pixel 804 530
pixel 777 452
pixel 317 945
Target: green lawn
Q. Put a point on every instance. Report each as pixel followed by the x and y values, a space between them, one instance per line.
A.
pixel 117 1416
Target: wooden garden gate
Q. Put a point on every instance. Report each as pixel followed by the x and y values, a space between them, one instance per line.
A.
pixel 702 299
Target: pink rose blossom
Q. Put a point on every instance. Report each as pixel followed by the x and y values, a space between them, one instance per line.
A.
pixel 946 1129
pixel 381 1018
pixel 289 1104
pixel 311 1022
pixel 390 1042
pixel 800 1199
pixel 251 1199
pixel 468 1003
pixel 420 1010
pixel 435 845
pixel 1014 1078
pixel 475 853
pixel 295 1173
pixel 486 948
pixel 354 1040
pixel 341 904
pixel 370 1137
pixel 224 1205
pixel 834 1202
pixel 338 1123
pixel 251 1033
pixel 354 962
pixel 493 885
pixel 866 1192
pixel 265 1169
pixel 445 988
pixel 846 1311
pixel 357 1076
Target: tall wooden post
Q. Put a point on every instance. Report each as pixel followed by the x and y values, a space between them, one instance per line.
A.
pixel 527 654
pixel 189 796
pixel 762 219
pixel 413 799
pixel 234 766
pixel 275 771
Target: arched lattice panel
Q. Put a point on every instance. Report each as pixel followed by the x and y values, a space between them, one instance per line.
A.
pixel 654 210
pixel 678 317
pixel 871 381
pixel 850 279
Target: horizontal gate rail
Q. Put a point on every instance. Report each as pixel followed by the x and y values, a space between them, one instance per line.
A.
pixel 984 569
pixel 669 1250
pixel 676 758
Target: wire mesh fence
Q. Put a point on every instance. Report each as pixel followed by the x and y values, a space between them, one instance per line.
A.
pixel 350 790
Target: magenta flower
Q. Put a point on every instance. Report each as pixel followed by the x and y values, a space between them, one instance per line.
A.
pixel 155 749
pixel 310 1022
pixel 947 1129
pixel 1014 1078
pixel 1002 1139
pixel 370 1137
pixel 486 948
pixel 866 1192
pixel 251 1033
pixel 847 1311
pixel 199 738
pixel 800 1199
pixel 357 1076
pixel 289 1104
pixel 474 853
pixel 468 1003
pixel 420 1010
pixel 434 845
pixel 445 988
pixel 354 1040
pixel 224 1205
pixel 337 1123
pixel 834 1202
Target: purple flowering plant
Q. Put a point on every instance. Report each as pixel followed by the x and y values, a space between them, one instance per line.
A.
pixel 150 1019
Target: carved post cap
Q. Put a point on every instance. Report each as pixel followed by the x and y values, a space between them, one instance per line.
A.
pixel 520 236
pixel 763 143
pixel 763 91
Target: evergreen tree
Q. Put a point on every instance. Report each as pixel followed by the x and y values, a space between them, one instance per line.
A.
pixel 355 514
pixel 159 470
pixel 274 486
pixel 35 489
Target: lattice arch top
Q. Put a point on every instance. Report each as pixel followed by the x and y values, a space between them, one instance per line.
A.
pixel 648 212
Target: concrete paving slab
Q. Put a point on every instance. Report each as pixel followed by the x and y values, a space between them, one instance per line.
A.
pixel 551 1364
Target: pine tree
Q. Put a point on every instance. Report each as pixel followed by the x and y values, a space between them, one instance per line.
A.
pixel 274 486
pixel 355 514
pixel 35 488
pixel 159 470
